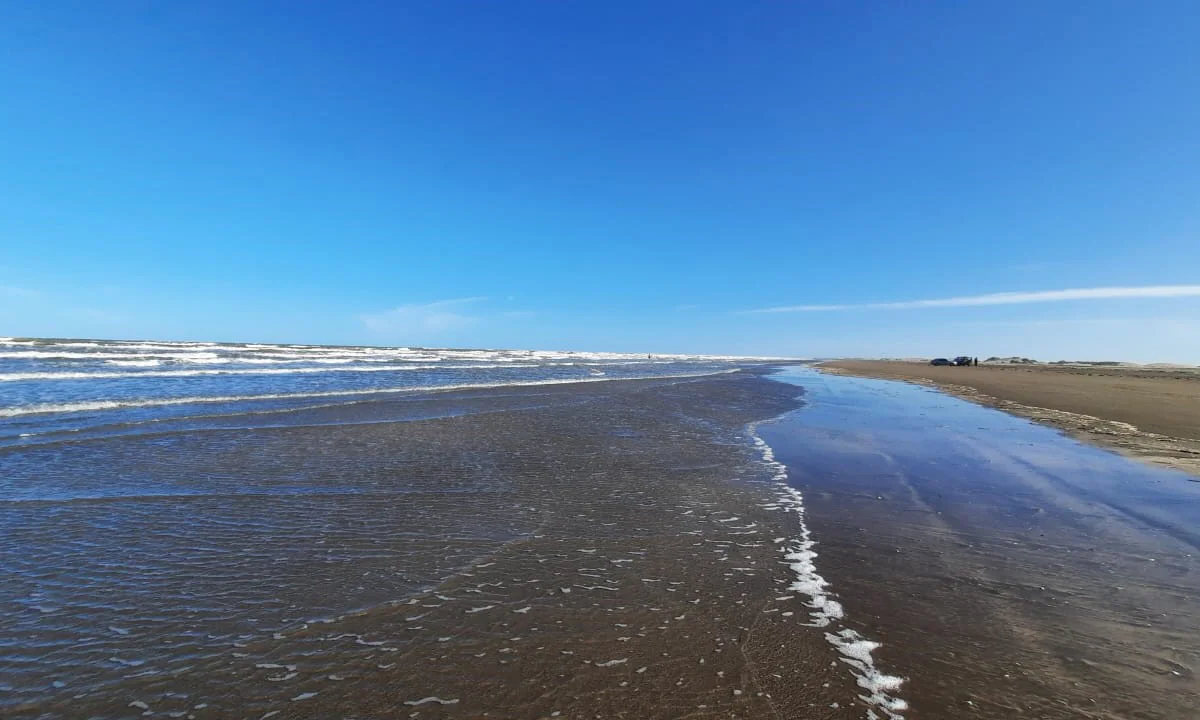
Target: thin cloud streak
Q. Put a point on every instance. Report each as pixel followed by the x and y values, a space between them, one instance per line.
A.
pixel 422 318
pixel 1006 298
pixel 18 292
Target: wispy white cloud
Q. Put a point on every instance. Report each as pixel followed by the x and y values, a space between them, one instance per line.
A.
pixel 423 319
pixel 1005 298
pixel 11 291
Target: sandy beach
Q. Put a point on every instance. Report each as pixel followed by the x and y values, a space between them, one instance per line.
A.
pixel 1008 571
pixel 1152 414
pixel 603 550
pixel 594 550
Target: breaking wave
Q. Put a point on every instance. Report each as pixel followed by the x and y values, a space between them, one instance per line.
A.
pixel 84 406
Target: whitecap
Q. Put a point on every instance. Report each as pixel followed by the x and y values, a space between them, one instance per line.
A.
pixel 92 405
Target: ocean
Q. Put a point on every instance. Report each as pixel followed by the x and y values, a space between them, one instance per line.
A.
pixel 57 389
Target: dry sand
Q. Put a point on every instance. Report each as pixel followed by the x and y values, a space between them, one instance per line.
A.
pixel 1151 414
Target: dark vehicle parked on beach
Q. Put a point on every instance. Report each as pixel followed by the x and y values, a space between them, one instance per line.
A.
pixel 962 361
pixel 940 361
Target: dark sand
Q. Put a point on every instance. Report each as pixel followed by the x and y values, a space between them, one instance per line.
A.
pixel 644 581
pixel 1149 413
pixel 612 551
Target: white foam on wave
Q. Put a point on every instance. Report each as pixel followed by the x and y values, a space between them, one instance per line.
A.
pixel 200 358
pixel 93 405
pixel 197 357
pixel 880 690
pixel 101 375
pixel 61 355
pixel 205 358
pixel 155 347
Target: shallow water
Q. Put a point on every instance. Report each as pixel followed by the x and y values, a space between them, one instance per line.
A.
pixel 1004 568
pixel 887 428
pixel 150 554
pixel 1007 569
pixel 218 571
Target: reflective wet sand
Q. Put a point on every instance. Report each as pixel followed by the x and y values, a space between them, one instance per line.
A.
pixel 1146 412
pixel 1009 571
pixel 607 553
pixel 606 550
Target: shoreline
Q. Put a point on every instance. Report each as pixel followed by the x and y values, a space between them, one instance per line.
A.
pixel 626 549
pixel 1007 570
pixel 1100 427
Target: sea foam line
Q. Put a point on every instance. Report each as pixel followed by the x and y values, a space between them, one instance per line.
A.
pixel 111 375
pixel 880 689
pixel 161 402
pixel 327 366
pixel 70 349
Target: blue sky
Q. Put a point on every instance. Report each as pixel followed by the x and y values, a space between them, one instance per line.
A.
pixel 608 176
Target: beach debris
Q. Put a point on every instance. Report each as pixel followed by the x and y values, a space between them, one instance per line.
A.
pixel 610 663
pixel 305 696
pixel 281 678
pixel 430 699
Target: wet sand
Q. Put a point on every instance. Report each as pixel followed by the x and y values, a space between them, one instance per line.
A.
pixel 615 551
pixel 612 550
pixel 1007 570
pixel 1152 414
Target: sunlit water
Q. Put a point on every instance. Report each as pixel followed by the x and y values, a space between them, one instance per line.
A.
pixel 989 552
pixel 66 389
pixel 162 503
